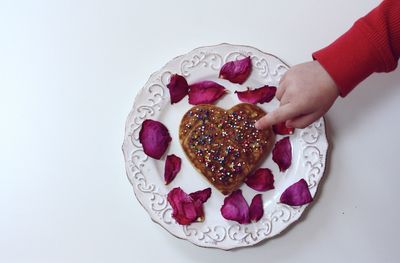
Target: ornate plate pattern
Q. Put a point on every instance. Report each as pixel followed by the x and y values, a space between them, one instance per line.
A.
pixel 309 148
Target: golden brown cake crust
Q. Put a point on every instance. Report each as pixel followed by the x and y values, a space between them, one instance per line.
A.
pixel 224 145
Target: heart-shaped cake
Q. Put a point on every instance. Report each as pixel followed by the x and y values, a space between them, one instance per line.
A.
pixel 223 144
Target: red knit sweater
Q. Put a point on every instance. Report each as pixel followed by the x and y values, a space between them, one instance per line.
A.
pixel 371 45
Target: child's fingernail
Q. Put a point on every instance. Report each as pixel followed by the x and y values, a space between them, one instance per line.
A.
pixel 257 125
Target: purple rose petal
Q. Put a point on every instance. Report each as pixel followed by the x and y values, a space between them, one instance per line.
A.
pixel 205 92
pixel 236 208
pixel 261 180
pixel 256 210
pixel 297 194
pixel 178 88
pixel 259 95
pixel 282 154
pixel 155 138
pixel 172 167
pixel 236 71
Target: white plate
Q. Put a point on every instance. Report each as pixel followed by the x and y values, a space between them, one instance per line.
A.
pixel 309 148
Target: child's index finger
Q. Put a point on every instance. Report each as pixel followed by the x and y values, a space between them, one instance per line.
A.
pixel 281 114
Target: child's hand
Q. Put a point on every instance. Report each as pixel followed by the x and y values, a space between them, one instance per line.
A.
pixel 306 92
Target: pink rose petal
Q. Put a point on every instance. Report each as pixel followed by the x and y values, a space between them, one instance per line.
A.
pixel 236 208
pixel 259 95
pixel 185 208
pixel 205 92
pixel 256 210
pixel 282 154
pixel 155 138
pixel 172 167
pixel 281 129
pixel 178 88
pixel 297 194
pixel 236 71
pixel 261 180
pixel 201 195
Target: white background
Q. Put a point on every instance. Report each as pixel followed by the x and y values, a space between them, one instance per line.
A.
pixel 69 71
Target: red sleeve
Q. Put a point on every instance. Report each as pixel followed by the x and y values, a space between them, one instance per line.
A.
pixel 371 45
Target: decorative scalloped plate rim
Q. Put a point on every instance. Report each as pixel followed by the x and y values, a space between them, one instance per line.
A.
pixel 145 174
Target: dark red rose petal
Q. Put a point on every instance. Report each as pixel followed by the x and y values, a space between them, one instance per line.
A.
pixel 256 208
pixel 201 195
pixel 187 208
pixel 236 208
pixel 172 167
pixel 178 88
pixel 184 210
pixel 297 194
pixel 261 180
pixel 282 154
pixel 281 129
pixel 205 92
pixel 199 198
pixel 236 71
pixel 260 95
pixel 155 138
pixel 199 210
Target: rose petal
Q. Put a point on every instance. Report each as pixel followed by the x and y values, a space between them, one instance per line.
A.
pixel 199 198
pixel 236 71
pixel 281 129
pixel 185 208
pixel 297 194
pixel 201 195
pixel 155 138
pixel 282 154
pixel 178 88
pixel 259 95
pixel 236 208
pixel 199 210
pixel 256 210
pixel 172 167
pixel 261 180
pixel 205 92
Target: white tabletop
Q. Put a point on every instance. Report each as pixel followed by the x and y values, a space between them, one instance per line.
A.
pixel 69 71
